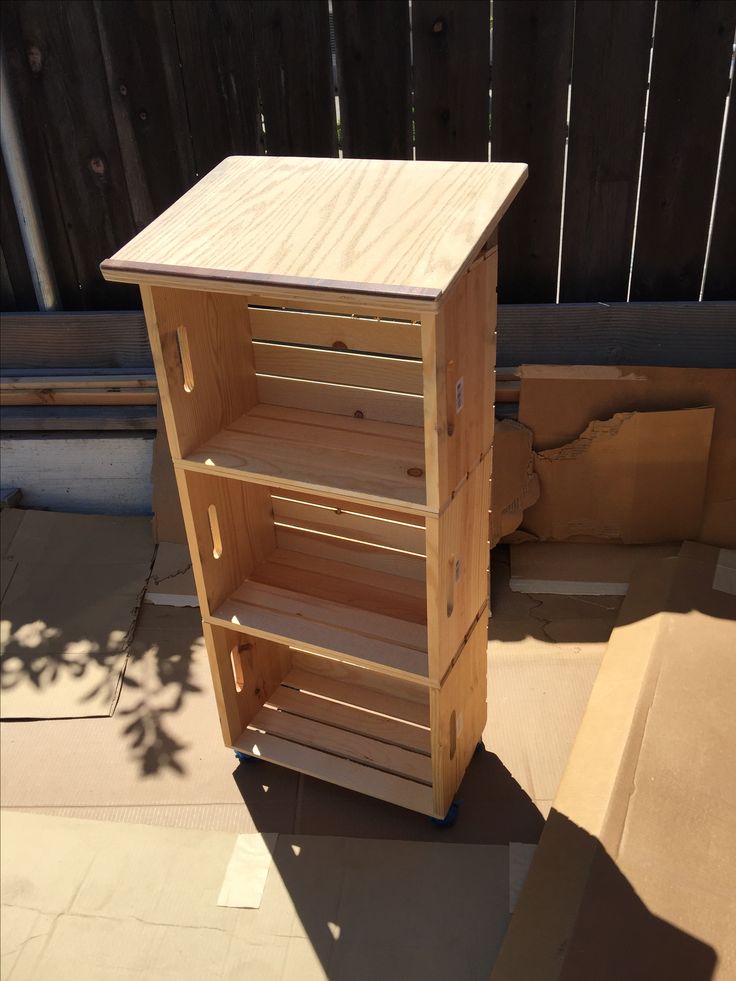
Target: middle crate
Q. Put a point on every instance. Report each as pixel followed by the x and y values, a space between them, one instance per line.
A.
pixel 395 592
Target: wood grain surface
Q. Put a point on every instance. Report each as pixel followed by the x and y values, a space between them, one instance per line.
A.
pixel 532 50
pixel 606 118
pixel 395 227
pixel 690 81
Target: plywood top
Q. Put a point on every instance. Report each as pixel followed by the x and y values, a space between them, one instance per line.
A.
pixel 398 228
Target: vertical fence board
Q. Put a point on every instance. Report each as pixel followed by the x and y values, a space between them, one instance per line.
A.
pixel 609 82
pixel 373 70
pixel 692 55
pixel 451 40
pixel 218 67
pixel 532 47
pixel 720 279
pixel 16 286
pixel 59 78
pixel 142 64
pixel 294 59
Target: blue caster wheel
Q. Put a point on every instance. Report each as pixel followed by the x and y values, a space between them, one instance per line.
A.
pixel 450 818
pixel 245 757
pixel 480 748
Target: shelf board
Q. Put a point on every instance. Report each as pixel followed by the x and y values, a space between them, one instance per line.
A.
pixel 361 459
pixel 346 741
pixel 370 618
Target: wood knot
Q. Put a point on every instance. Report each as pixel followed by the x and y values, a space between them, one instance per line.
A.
pixel 415 471
pixel 123 89
pixel 340 345
pixel 439 25
pixel 359 414
pixel 143 115
pixel 97 166
pixel 35 59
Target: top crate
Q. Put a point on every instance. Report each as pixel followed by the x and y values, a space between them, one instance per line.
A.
pixel 327 325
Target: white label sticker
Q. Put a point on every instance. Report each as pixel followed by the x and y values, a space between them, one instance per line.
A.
pixel 459 394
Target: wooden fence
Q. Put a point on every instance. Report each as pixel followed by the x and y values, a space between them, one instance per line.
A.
pixel 125 104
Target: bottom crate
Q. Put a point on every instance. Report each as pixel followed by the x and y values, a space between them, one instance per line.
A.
pixel 382 736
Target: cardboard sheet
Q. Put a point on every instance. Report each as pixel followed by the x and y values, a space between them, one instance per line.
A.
pixel 514 485
pixel 85 899
pixel 636 478
pixel 172 580
pixel 160 750
pixel 557 403
pixel 69 610
pixel 633 876
pixel 10 520
pixel 579 570
pixel 160 759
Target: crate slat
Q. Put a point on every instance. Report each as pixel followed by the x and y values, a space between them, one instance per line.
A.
pixel 335 739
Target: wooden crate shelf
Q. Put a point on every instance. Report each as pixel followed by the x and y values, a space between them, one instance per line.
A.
pixel 349 580
pixel 293 448
pixel 338 722
pixel 353 627
pixel 323 333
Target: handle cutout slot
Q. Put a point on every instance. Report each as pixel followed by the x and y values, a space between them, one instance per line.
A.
pixel 453 574
pixel 237 666
pixel 215 531
pixel 182 340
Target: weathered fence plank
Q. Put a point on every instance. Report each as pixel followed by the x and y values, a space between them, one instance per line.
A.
pixel 218 67
pixel 720 279
pixel 292 43
pixel 451 40
pixel 609 83
pixel 532 49
pixel 139 47
pixel 16 287
pixel 374 84
pixel 692 55
pixel 56 66
pixel 687 334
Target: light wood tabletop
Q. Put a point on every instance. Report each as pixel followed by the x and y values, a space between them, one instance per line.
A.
pixel 395 228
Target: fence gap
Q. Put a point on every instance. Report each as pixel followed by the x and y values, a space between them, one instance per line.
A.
pixel 716 188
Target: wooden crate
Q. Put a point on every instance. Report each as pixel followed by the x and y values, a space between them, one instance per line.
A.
pixel 383 736
pixel 324 344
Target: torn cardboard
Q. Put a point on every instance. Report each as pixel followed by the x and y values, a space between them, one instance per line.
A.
pixel 632 877
pixel 557 403
pixel 69 610
pixel 579 570
pixel 168 522
pixel 87 899
pixel 514 485
pixel 637 478
pixel 172 580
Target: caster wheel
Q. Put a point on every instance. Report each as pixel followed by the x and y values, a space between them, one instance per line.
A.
pixel 480 748
pixel 244 757
pixel 450 818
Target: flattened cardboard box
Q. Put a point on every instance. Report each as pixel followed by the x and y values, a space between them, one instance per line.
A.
pixel 558 401
pixel 72 586
pixel 637 478
pixel 97 900
pixel 514 485
pixel 634 876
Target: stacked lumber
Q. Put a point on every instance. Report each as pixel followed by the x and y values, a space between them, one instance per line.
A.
pixel 103 389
